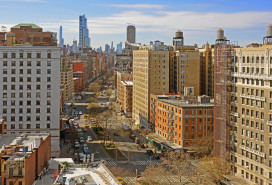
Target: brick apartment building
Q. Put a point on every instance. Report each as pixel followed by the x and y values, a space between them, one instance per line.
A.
pixel 80 75
pixel 184 120
pixel 126 97
pixel 23 158
pixel 121 76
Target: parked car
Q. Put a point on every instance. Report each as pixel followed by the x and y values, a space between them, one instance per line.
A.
pixel 156 156
pixel 85 148
pixel 86 151
pixel 116 134
pixel 85 129
pixel 89 138
pixel 81 140
pixel 80 112
pixel 150 152
pixel 77 145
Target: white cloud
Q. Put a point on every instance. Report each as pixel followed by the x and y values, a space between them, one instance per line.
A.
pixel 136 6
pixel 195 25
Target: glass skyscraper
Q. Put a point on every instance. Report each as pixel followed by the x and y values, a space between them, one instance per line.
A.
pixel 84 39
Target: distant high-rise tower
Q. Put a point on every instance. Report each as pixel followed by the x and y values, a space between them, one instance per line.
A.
pixel 119 48
pixel 131 34
pixel 111 45
pixel 84 39
pixel 60 37
pixel 74 47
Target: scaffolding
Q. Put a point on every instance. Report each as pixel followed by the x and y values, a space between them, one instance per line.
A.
pixel 223 57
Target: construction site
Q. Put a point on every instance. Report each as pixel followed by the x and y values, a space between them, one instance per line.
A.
pixel 223 56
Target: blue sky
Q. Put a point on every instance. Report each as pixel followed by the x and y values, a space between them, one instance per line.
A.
pixel 243 20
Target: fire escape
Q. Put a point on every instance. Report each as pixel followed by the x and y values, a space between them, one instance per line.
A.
pixel 170 125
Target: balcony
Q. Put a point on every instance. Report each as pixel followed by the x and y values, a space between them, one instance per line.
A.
pixel 261 154
pixel 269 123
pixel 236 114
pixel 252 97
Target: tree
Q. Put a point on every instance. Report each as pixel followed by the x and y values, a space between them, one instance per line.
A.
pixel 177 168
pixel 203 147
pixel 108 92
pixel 93 108
pixel 104 119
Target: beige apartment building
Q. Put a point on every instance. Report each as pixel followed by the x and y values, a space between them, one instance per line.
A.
pixel 206 70
pixel 188 71
pixel 150 76
pixel 66 77
pixel 252 113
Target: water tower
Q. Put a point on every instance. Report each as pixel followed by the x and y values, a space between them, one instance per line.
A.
pixel 178 40
pixel 268 38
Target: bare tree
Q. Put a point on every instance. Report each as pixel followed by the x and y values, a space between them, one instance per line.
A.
pixel 203 147
pixel 104 119
pixel 177 168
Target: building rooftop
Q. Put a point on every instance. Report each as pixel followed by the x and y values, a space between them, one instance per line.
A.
pixel 76 173
pixel 7 139
pixel 186 102
pixel 28 140
pixel 26 24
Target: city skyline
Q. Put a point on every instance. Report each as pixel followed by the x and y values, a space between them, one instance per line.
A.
pixel 242 21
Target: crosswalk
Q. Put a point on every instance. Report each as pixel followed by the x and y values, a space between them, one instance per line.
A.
pixel 136 163
pixel 145 163
pixel 111 163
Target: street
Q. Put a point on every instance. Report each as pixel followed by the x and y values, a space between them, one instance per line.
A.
pixel 135 157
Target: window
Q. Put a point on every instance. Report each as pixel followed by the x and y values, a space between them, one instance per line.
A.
pixel 5 55
pixel 48 125
pixel 38 126
pixel 28 118
pixel 13 63
pixel 48 63
pixel 48 110
pixel 28 102
pixel 48 94
pixel 38 63
pixel 48 79
pixel 38 79
pixel 28 110
pixel 28 71
pixel 38 71
pixel 28 126
pixel 38 110
pixel 13 71
pixel 21 63
pixel 48 71
pixel 5 71
pixel 38 55
pixel 38 87
pixel 48 55
pixel 28 55
pixel 48 118
pixel 12 126
pixel 38 118
pixel 48 87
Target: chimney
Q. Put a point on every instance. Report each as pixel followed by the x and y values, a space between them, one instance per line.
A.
pixel 10 39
